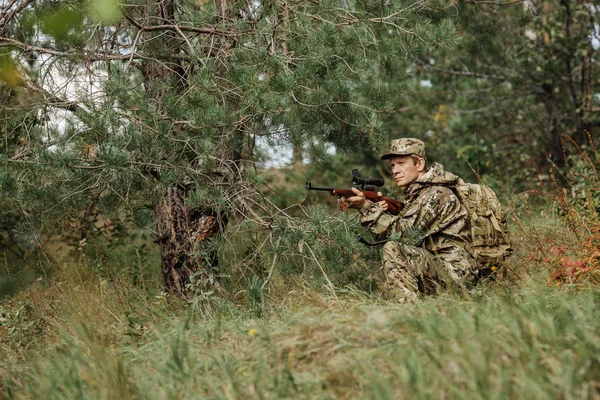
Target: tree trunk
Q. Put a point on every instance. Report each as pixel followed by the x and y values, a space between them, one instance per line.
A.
pixel 180 229
pixel 545 95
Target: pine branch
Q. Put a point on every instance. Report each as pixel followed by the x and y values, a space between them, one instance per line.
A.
pixel 496 3
pixel 54 100
pixel 87 54
pixel 6 17
pixel 176 28
pixel 464 73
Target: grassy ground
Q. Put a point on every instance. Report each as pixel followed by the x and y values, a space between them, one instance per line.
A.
pixel 532 342
pixel 78 335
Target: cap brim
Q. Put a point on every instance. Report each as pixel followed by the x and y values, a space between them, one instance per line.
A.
pixel 391 155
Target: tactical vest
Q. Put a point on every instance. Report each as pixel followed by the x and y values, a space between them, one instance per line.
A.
pixel 490 244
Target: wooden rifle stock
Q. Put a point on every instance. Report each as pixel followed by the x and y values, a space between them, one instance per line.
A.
pixel 394 206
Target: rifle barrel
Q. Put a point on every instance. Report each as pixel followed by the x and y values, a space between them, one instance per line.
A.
pixel 311 187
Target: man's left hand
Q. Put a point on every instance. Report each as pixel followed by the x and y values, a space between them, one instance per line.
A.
pixel 355 201
pixel 359 200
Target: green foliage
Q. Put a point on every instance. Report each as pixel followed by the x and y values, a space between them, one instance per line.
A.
pixel 27 232
pixel 584 180
pixel 324 247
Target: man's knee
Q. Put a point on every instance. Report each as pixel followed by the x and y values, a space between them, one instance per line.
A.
pixel 390 248
pixel 407 270
pixel 404 256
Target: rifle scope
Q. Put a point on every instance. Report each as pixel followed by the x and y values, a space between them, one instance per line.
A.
pixel 366 181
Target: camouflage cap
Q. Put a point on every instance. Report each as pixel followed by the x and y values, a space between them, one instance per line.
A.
pixel 405 147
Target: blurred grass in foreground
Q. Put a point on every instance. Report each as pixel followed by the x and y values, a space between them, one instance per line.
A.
pixel 531 341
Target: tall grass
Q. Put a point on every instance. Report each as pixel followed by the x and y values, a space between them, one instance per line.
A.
pixel 530 341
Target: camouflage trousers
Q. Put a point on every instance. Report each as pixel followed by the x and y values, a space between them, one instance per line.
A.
pixel 410 271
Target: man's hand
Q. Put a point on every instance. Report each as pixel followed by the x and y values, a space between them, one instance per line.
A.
pixel 359 200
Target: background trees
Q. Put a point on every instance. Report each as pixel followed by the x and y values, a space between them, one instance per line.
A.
pixel 522 76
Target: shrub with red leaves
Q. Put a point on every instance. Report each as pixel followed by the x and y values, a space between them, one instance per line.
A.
pixel 580 264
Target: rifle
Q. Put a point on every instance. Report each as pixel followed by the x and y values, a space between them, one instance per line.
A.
pixel 368 187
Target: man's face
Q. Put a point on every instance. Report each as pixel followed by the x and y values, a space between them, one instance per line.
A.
pixel 405 170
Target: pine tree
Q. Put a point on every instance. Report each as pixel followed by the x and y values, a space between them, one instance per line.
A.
pixel 177 94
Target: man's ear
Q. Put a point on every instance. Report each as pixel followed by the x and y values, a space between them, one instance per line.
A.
pixel 421 165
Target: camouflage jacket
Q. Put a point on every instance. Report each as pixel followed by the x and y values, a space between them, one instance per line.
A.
pixel 433 215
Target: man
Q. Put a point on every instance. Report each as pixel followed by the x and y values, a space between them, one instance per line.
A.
pixel 427 251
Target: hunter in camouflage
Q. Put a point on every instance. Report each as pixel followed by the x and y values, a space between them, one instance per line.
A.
pixel 426 252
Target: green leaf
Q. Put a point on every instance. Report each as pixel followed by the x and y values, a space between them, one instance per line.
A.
pixel 108 11
pixel 60 23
